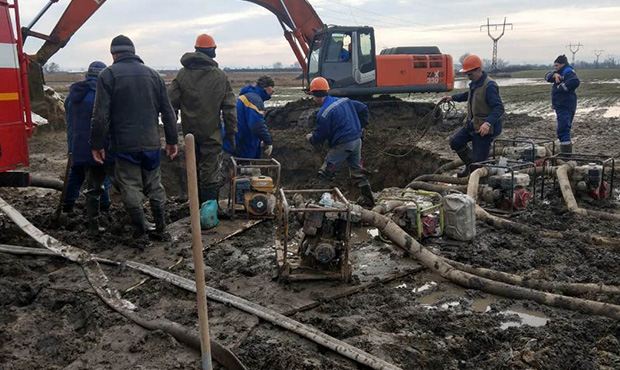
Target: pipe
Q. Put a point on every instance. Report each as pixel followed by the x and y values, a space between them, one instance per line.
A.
pixel 474 181
pixel 449 166
pixel 549 286
pixel 436 188
pixel 46 182
pixel 569 197
pixel 442 178
pixel 467 280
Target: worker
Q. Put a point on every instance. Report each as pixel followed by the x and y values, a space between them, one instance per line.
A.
pixel 253 139
pixel 130 97
pixel 563 100
pixel 340 122
pixel 484 111
pixel 203 94
pixel 79 109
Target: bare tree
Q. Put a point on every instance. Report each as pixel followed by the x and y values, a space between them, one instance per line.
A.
pixel 51 68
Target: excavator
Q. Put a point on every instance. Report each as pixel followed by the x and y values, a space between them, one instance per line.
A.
pixel 345 55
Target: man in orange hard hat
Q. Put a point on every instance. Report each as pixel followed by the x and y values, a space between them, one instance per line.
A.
pixel 340 122
pixel 202 92
pixel 484 112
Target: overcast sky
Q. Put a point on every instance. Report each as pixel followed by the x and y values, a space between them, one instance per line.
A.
pixel 249 35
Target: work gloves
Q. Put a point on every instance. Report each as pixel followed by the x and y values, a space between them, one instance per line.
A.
pixel 267 151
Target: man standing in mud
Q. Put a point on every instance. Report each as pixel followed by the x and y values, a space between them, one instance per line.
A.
pixel 484 111
pixel 203 94
pixel 563 99
pixel 130 96
pixel 79 109
pixel 340 122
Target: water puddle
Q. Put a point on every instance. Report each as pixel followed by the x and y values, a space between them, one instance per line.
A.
pixel 525 317
pixel 363 234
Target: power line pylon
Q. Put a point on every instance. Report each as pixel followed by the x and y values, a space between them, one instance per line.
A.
pixel 598 54
pixel 495 38
pixel 574 48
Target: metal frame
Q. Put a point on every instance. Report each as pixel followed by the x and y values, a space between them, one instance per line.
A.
pixel 289 269
pixel 512 166
pixel 238 164
pixel 604 161
pixel 420 228
pixel 525 140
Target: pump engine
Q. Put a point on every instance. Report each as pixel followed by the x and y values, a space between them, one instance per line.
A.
pixel 323 243
pixel 588 180
pixel 501 187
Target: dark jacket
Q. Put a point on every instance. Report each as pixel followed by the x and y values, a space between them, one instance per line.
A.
pixel 563 93
pixel 493 100
pixel 252 129
pixel 130 97
pixel 339 121
pixel 79 109
pixel 201 91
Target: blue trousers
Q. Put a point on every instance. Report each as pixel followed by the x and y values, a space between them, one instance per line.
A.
pixel 347 153
pixel 77 175
pixel 565 124
pixel 481 145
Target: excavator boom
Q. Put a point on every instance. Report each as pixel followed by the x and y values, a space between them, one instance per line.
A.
pixel 299 21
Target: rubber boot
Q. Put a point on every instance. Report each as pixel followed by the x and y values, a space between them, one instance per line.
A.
pixel 208 214
pixel 92 213
pixel 160 234
pixel 465 154
pixel 566 149
pixel 366 200
pixel 140 237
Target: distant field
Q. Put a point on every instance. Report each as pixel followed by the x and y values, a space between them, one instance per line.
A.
pixel 585 74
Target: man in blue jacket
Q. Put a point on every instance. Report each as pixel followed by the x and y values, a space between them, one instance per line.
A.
pixel 563 99
pixel 253 139
pixel 484 111
pixel 79 108
pixel 340 122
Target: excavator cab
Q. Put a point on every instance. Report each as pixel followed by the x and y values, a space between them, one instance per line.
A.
pixel 345 56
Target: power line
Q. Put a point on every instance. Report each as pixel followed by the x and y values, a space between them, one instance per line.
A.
pixel 495 38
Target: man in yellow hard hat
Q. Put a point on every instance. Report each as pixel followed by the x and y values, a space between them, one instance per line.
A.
pixel 202 92
pixel 340 122
pixel 484 112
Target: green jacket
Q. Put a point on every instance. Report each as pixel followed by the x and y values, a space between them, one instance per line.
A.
pixel 202 92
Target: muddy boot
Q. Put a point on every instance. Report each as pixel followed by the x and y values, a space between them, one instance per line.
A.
pixel 366 200
pixel 465 154
pixel 159 234
pixel 92 213
pixel 140 238
pixel 566 149
pixel 68 208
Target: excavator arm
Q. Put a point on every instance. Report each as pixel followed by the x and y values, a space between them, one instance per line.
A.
pixel 75 15
pixel 299 21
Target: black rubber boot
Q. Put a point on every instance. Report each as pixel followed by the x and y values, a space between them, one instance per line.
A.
pixel 160 234
pixel 92 213
pixel 140 238
pixel 566 149
pixel 367 200
pixel 465 154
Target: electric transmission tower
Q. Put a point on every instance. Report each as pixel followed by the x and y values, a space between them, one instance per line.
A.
pixel 574 48
pixel 495 38
pixel 598 54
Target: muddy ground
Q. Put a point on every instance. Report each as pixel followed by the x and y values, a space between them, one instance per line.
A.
pixel 51 318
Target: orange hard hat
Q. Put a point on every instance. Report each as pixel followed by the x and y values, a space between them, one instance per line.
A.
pixel 319 84
pixel 470 63
pixel 205 41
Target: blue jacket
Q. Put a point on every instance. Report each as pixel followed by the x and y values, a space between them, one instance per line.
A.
pixel 339 121
pixel 79 109
pixel 251 126
pixel 563 94
pixel 493 99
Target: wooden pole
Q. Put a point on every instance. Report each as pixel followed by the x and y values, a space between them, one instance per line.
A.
pixel 199 269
